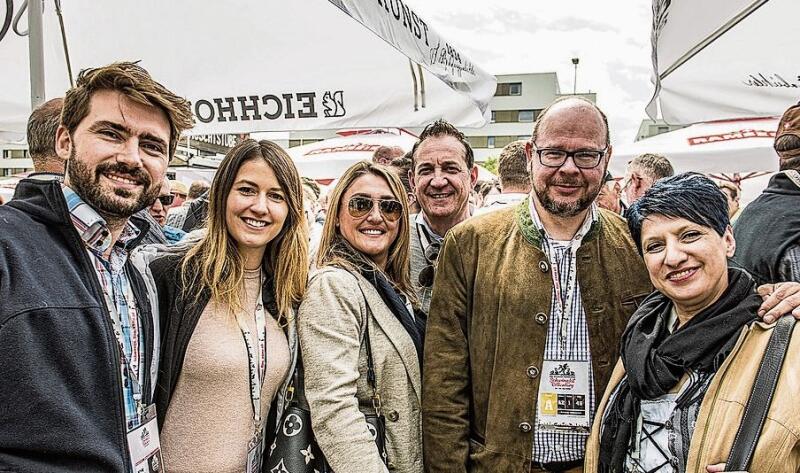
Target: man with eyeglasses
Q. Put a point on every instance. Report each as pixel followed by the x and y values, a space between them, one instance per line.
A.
pixel 442 174
pixel 642 172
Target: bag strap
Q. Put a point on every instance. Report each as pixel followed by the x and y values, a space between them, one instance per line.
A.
pixel 755 412
pixel 372 379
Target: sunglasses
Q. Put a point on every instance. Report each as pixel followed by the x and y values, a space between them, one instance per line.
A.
pixel 429 271
pixel 166 199
pixel 391 210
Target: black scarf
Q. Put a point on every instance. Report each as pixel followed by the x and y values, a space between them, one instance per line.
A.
pixel 414 325
pixel 656 360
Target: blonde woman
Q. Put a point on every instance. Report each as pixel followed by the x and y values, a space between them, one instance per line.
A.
pixel 227 314
pixel 363 289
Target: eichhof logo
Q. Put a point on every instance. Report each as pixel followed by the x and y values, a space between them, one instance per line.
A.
pixel 334 104
pixel 562 377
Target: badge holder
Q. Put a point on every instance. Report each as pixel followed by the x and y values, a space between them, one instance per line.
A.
pixel 144 444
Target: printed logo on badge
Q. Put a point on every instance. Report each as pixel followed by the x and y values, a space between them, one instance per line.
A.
pixel 145 437
pixel 562 377
pixel 549 402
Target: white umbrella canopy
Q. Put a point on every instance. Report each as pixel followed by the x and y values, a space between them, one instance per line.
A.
pixel 250 65
pixel 729 146
pixel 724 59
pixel 328 159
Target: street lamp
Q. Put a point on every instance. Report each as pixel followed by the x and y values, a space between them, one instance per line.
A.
pixel 575 62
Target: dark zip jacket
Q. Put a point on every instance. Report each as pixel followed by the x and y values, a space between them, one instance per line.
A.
pixel 61 405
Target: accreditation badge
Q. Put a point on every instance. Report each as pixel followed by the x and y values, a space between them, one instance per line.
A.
pixel 145 446
pixel 563 404
pixel 255 454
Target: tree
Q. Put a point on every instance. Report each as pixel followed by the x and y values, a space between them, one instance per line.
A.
pixel 491 164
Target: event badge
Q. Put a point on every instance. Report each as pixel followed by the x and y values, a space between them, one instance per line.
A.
pixel 255 453
pixel 145 446
pixel 563 404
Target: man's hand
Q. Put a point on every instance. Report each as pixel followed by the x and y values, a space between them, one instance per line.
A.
pixel 779 299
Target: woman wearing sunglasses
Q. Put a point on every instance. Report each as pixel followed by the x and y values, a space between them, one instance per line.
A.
pixel 226 303
pixel 359 301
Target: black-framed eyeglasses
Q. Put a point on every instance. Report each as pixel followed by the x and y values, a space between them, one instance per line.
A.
pixel 166 200
pixel 429 271
pixel 584 159
pixel 359 206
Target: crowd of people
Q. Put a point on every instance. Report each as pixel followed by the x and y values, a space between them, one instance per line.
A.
pixel 409 319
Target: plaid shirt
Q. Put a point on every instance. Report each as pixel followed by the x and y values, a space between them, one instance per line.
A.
pixel 561 447
pixel 119 297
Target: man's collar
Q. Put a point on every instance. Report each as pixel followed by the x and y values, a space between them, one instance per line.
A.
pixel 422 221
pixel 92 228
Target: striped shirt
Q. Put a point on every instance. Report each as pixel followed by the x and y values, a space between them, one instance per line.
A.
pixel 117 291
pixel 565 446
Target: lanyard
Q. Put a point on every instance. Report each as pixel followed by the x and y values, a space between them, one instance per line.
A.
pixel 564 299
pixel 257 364
pixel 134 374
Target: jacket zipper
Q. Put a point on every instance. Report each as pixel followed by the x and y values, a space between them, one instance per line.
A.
pixel 724 372
pixel 95 283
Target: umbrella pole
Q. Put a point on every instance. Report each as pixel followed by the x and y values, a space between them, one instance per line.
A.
pixel 36 52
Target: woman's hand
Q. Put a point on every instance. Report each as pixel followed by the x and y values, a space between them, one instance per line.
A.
pixel 720 467
pixel 779 299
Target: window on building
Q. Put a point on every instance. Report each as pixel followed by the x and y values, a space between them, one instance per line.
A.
pixel 662 129
pixel 503 141
pixel 478 141
pixel 490 141
pixel 493 116
pixel 527 116
pixel 506 116
pixel 508 88
pixel 524 137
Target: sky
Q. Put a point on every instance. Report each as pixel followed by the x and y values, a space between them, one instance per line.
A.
pixel 611 39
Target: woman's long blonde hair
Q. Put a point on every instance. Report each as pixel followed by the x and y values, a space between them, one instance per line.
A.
pixel 214 264
pixel 398 264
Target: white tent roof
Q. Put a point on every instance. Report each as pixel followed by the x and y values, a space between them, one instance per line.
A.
pixel 723 59
pixel 253 65
pixel 714 147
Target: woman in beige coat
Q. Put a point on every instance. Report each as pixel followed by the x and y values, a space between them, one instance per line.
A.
pixel 363 288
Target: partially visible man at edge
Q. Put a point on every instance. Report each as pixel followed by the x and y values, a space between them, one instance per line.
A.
pixel 78 343
pixel 767 231
pixel 41 136
pixel 442 175
pixel 552 280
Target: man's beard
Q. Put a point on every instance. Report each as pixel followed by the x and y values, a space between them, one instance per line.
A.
pixel 565 209
pixel 88 187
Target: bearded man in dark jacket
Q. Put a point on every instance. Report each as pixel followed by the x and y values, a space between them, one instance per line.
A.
pixel 78 343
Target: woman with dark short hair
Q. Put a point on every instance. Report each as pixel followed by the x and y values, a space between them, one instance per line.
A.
pixel 691 351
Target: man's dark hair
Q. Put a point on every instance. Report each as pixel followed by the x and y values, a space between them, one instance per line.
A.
pixel 402 166
pixel 654 165
pixel 442 127
pixel 512 166
pixel 788 144
pixel 41 133
pixel 690 196
pixel 197 189
pixel 591 104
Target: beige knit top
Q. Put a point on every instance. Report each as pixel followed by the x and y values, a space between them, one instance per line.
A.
pixel 209 421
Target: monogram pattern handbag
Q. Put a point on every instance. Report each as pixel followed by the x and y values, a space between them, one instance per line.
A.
pixel 294 449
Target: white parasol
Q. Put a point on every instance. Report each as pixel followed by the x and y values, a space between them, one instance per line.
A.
pixel 250 65
pixel 723 59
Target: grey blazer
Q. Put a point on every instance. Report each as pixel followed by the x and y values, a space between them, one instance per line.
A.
pixel 330 324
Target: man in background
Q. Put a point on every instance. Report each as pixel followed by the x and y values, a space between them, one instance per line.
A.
pixel 385 154
pixel 515 179
pixel 642 172
pixel 41 135
pixel 768 230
